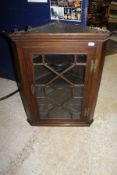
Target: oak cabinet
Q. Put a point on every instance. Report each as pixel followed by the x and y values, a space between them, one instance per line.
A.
pixel 59 67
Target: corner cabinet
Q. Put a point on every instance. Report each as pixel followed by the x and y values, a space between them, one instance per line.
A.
pixel 59 67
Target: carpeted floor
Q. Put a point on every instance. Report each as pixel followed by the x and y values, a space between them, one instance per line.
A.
pixel 26 150
pixel 111 47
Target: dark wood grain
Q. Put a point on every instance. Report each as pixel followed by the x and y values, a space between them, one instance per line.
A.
pixel 59 38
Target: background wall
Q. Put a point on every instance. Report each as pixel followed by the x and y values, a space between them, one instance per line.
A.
pixel 20 14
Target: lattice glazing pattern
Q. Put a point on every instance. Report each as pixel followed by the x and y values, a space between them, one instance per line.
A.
pixel 59 83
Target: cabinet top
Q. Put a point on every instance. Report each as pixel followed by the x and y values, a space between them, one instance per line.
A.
pixel 60 30
pixel 60 27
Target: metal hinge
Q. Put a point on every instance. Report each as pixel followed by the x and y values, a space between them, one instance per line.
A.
pixel 93 66
pixel 32 89
pixel 87 111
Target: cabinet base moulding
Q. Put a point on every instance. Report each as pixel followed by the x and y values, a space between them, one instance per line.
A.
pixel 60 124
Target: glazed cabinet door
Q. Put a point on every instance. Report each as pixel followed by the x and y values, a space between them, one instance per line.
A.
pixel 59 82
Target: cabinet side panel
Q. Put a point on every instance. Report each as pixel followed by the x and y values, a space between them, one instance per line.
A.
pixel 88 91
pixel 99 58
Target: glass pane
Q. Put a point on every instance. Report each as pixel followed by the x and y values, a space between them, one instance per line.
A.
pixel 59 62
pixel 42 74
pixel 40 91
pixel 60 93
pixel 59 113
pixel 78 92
pixel 76 75
pixel 81 58
pixel 74 105
pixel 59 59
pixel 37 58
pixel 44 105
pixel 59 83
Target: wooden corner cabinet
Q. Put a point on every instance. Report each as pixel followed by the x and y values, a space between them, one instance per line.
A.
pixel 59 67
